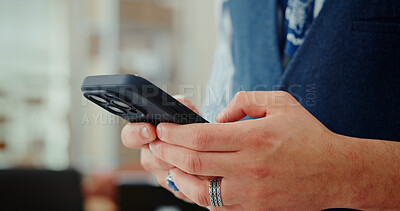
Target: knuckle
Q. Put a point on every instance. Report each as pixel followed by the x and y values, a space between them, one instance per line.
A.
pixel 258 172
pixel 201 197
pixel 192 163
pixel 257 139
pixel 262 138
pixel 240 95
pixel 200 139
pixel 240 98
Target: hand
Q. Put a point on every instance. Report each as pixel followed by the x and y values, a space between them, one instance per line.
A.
pixel 286 159
pixel 138 136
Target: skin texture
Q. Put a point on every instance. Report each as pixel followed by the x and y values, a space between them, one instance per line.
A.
pixel 284 160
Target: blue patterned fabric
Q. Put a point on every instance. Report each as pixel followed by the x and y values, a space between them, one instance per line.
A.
pixel 297 16
pixel 346 72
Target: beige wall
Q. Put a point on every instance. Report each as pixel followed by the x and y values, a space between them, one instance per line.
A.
pixel 196 32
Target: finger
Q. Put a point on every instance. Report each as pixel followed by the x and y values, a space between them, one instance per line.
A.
pixel 188 103
pixel 136 135
pixel 194 162
pixel 159 169
pixel 202 136
pixel 151 162
pixel 255 104
pixel 160 176
pixel 197 189
pixel 244 104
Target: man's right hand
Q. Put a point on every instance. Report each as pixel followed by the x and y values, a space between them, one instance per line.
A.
pixel 138 136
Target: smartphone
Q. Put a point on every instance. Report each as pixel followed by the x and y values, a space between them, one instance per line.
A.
pixel 136 100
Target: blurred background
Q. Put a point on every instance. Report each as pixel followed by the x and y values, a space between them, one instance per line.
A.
pixel 47 47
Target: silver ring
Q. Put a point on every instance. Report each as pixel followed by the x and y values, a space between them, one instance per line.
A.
pixel 214 189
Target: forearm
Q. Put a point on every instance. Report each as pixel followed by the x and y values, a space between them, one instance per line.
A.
pixel 373 174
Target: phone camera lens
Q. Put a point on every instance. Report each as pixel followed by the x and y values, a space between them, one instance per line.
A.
pixel 115 109
pixel 109 95
pixel 97 99
pixel 121 104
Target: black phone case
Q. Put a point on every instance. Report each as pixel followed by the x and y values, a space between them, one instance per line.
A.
pixel 136 100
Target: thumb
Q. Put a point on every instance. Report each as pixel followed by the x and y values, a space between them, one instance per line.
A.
pixel 254 104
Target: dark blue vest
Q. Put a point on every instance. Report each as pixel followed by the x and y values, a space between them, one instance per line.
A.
pixel 346 73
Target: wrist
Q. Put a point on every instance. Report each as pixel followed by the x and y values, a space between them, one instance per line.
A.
pixel 365 174
pixel 347 169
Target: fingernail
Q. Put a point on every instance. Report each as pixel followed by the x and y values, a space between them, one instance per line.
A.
pixel 151 147
pixel 145 133
pixel 159 130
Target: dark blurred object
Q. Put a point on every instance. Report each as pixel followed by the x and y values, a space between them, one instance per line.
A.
pixel 32 189
pixel 147 197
